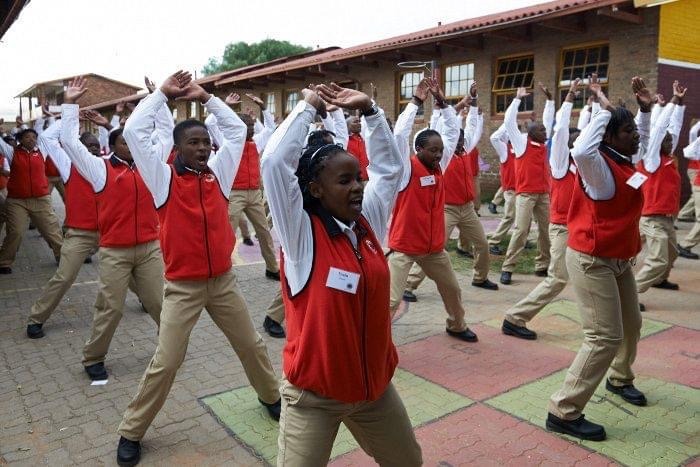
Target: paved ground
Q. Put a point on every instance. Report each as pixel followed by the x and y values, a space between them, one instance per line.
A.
pixel 480 404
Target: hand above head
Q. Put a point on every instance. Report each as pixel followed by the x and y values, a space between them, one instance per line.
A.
pixel 344 97
pixel 76 88
pixel 658 98
pixel 678 93
pixel 436 91
pixel 119 109
pixel 604 102
pixel 96 118
pixel 573 90
pixel 194 92
pixel 421 92
pixel 174 86
pixel 314 99
pixel 331 107
pixel 232 99
pixel 546 91
pixel 150 85
pixel 521 92
pixel 644 97
pixel 259 102
pixel 463 103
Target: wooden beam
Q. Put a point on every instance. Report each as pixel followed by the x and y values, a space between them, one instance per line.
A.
pixel 577 26
pixel 453 45
pixel 291 77
pixel 510 36
pixel 312 71
pixel 335 69
pixel 276 78
pixel 364 64
pixel 403 53
pixel 615 13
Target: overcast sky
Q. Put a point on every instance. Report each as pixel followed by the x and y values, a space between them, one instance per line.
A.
pixel 126 39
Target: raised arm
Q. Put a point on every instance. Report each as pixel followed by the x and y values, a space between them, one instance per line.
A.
pixel 340 127
pixel 559 152
pixel 404 125
pixel 510 120
pixel 652 156
pixel 448 123
pixel 224 164
pixel 548 112
pixel 499 141
pixel 162 136
pixel 49 146
pixel 584 115
pixel 694 131
pixel 676 123
pixel 692 151
pixel 6 150
pixel 643 120
pixel 262 137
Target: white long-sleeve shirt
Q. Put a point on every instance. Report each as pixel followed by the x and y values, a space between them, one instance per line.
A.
pixel 675 125
pixel 260 139
pixel 279 164
pixel 335 123
pixel 402 130
pixel 499 141
pixel 585 115
pixel 693 133
pixel 548 117
pixel 49 146
pixel 517 139
pixel 692 151
pixel 659 127
pixel 559 151
pixel 156 173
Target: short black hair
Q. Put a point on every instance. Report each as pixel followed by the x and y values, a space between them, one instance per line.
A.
pixel 423 136
pixel 114 135
pixel 185 125
pixel 20 134
pixel 85 135
pixel 318 138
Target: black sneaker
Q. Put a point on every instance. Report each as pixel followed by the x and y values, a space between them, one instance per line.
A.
pixel 275 276
pixel 514 330
pixel 506 278
pixel 128 452
pixel 485 284
pixel 665 284
pixel 409 296
pixel 541 273
pixel 5 270
pixel 496 250
pixel 466 335
pixel 686 253
pixel 88 260
pixel 493 209
pixel 628 392
pixel 97 371
pixel 464 253
pixel 248 241
pixel 273 328
pixel 579 428
pixel 34 331
pixel 642 307
pixel 529 246
pixel 273 409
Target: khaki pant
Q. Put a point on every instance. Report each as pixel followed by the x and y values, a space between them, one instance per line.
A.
pixel 276 309
pixel 117 265
pixel 309 424
pixel 506 221
pixel 437 266
pixel 606 295
pixel 662 251
pixel 18 213
pixel 3 200
pixel 182 306
pixel 243 227
pixel 522 312
pixel 498 197
pixel 528 205
pixel 57 183
pixel 688 210
pixel 477 193
pixel 77 245
pixel 471 232
pixel 250 202
pixel 693 237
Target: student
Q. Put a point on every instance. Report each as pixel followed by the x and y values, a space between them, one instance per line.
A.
pixel 662 193
pixel 27 198
pixel 356 144
pixel 331 234
pixel 246 195
pixel 4 177
pixel 563 178
pixel 417 233
pixel 531 185
pixel 506 157
pixel 191 196
pixel 687 213
pixel 128 227
pixel 603 224
pixel 692 152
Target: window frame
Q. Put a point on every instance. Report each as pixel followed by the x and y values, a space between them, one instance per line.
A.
pixel 443 70
pixel 286 94
pixel 506 92
pixel 563 85
pixel 420 115
pixel 266 98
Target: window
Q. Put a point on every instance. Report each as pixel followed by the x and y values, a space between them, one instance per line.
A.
pixel 406 86
pixel 458 78
pixel 582 62
pixel 270 103
pixel 513 73
pixel 291 101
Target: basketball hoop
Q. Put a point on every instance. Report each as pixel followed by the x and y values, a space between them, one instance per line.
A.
pixel 415 65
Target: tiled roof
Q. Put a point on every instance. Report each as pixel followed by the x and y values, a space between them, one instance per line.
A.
pixel 60 81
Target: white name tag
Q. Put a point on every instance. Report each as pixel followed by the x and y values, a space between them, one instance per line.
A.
pixel 636 180
pixel 345 281
pixel 427 180
pixel 669 162
pixel 572 168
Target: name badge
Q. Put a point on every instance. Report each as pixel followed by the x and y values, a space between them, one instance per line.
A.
pixel 636 180
pixel 572 168
pixel 427 180
pixel 345 281
pixel 669 162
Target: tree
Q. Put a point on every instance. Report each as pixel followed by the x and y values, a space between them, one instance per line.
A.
pixel 240 54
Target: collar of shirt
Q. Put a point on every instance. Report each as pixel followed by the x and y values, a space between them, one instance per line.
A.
pixel 114 158
pixel 617 154
pixel 348 231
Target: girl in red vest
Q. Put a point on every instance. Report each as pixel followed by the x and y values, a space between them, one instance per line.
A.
pixel 604 239
pixel 336 288
pixel 662 196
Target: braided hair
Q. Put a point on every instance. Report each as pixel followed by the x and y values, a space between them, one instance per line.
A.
pixel 312 162
pixel 422 137
pixel 619 117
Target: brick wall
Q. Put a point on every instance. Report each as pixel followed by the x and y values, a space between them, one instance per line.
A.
pixel 101 90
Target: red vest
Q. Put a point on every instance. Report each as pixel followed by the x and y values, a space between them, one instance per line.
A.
pixel 459 180
pixel 560 198
pixel 662 191
pixel 356 147
pixel 474 161
pixel 248 175
pixel 195 233
pixel 607 229
pixel 532 169
pixel 27 175
pixel 694 165
pixel 418 224
pixel 3 178
pixel 171 156
pixel 508 171
pixel 81 203
pixel 50 168
pixel 339 343
pixel 126 215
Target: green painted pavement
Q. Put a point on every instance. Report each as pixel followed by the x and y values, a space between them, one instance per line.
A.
pixel 239 411
pixel 666 432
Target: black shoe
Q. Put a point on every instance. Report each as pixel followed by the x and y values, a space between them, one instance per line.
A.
pixel 128 452
pixel 275 276
pixel 541 273
pixel 579 428
pixel 88 260
pixel 485 284
pixel 5 270
pixel 97 371
pixel 493 209
pixel 466 335
pixel 665 284
pixel 273 409
pixel 32 226
pixel 642 307
pixel 686 253
pixel 506 277
pixel 34 331
pixel 273 328
pixel 628 392
pixel 529 246
pixel 514 330
pixel 248 241
pixel 496 250
pixel 686 219
pixel 466 254
pixel 409 296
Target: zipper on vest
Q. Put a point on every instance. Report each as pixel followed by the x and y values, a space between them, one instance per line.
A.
pixel 136 206
pixel 31 188
pixel 363 336
pixel 206 230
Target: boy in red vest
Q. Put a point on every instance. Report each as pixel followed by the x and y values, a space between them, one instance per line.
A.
pixel 692 152
pixel 531 185
pixel 27 199
pixel 128 227
pixel 197 240
pixel 662 195
pixel 356 145
pixel 506 157
pixel 687 212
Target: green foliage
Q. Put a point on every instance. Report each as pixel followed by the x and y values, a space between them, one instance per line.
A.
pixel 240 54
